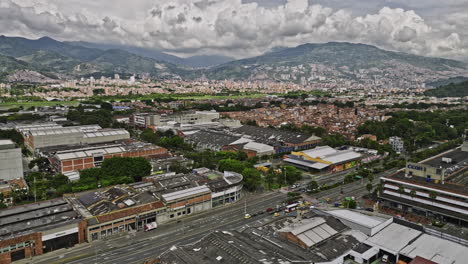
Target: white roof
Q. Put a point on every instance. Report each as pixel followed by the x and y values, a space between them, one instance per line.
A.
pixel 315 165
pixel 6 142
pixel 319 151
pixel 241 140
pixel 259 147
pixel 183 193
pixel 358 218
pixel 331 155
pixel 437 249
pixel 312 232
pixel 88 153
pixel 393 238
pixel 342 156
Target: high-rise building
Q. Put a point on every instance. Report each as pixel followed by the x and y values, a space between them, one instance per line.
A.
pixel 397 144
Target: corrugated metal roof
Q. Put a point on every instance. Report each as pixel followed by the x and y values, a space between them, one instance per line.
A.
pixel 183 193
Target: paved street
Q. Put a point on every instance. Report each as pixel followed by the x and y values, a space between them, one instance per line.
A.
pixel 145 245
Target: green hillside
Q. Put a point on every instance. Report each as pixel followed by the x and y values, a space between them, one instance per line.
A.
pixel 450 90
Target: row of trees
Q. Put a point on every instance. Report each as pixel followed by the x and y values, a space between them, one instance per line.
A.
pixel 116 170
pixel 419 128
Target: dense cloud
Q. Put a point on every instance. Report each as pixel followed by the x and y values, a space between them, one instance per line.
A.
pixel 236 28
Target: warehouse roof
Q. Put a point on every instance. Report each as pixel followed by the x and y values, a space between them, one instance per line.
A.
pixel 331 155
pixel 358 218
pixel 106 132
pixel 184 193
pixel 6 144
pixel 74 154
pixel 436 249
pixel 35 217
pixel 394 237
pixel 309 164
pixel 212 138
pixel 42 131
pixel 270 134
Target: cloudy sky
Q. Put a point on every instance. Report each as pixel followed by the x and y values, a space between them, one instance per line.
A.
pixel 243 28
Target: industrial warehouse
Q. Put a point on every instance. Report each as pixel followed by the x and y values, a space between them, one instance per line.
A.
pixel 325 158
pixel 40 136
pixel 324 237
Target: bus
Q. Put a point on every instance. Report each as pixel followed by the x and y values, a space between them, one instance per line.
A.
pixel 291 207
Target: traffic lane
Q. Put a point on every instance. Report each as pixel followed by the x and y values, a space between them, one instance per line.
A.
pixel 259 205
pixel 255 204
pixel 188 240
pixel 137 253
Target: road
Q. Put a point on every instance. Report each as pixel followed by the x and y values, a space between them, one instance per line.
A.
pixel 137 248
pixel 356 189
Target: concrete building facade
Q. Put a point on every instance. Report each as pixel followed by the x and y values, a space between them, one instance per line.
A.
pixel 11 163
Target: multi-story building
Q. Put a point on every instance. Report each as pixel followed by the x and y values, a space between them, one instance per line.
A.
pixel 72 158
pixel 397 144
pixel 11 162
pixel 34 229
pixel 434 188
pixel 158 199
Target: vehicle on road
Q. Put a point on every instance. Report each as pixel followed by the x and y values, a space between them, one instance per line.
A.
pixel 291 207
pixel 268 210
pixel 385 258
pixel 370 209
pixel 247 216
pixel 151 226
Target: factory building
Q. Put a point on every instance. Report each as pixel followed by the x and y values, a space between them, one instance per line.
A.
pixel 47 136
pixel 38 228
pixel 68 158
pixel 324 158
pixel 11 163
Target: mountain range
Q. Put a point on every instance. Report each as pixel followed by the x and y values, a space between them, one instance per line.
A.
pixel 57 59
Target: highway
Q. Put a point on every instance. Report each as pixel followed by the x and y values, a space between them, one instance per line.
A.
pixel 146 245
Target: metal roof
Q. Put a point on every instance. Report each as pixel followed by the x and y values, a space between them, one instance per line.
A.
pixel 88 153
pixel 436 249
pixel 184 193
pixel 394 237
pixel 358 218
pixel 314 165
pixel 314 231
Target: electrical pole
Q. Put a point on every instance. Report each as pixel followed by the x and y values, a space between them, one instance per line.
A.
pixel 35 189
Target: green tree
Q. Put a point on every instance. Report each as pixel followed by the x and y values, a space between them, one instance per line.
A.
pixel 292 174
pixel 349 178
pixel 413 193
pixel 369 187
pixel 401 190
pixel 313 185
pixel 252 178
pixel 231 165
pixel 433 195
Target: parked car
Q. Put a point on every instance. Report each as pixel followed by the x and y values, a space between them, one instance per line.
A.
pixel 385 258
